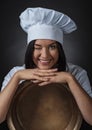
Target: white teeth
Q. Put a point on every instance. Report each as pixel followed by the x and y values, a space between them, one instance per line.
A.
pixel 45 61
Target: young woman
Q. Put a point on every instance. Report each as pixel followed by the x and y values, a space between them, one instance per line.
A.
pixel 45 61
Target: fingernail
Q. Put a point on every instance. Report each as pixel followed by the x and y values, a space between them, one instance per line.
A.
pixel 46 79
pixel 56 69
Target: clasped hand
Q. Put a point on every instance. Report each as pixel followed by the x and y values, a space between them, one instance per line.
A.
pixel 44 77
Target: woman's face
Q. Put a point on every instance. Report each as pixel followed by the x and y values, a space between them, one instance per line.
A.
pixel 45 54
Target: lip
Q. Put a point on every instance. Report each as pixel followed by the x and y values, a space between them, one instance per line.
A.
pixel 44 62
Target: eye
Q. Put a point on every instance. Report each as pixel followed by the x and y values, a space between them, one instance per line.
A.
pixel 53 46
pixel 36 47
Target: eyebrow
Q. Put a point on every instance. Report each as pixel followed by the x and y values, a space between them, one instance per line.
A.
pixel 49 44
pixel 37 45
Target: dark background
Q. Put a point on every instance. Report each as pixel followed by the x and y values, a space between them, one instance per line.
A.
pixel 77 45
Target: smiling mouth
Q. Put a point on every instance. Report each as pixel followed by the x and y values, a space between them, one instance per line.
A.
pixel 44 61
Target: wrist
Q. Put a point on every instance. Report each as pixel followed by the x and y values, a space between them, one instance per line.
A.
pixel 70 78
pixel 71 81
pixel 17 76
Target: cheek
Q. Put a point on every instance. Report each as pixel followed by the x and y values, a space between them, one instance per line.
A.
pixel 55 55
pixel 35 55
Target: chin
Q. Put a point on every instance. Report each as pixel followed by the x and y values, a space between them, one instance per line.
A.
pixel 44 68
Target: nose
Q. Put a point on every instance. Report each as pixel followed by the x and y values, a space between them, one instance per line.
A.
pixel 45 53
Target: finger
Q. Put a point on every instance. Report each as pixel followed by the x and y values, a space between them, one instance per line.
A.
pixel 44 83
pixel 36 81
pixel 49 70
pixel 37 77
pixel 45 74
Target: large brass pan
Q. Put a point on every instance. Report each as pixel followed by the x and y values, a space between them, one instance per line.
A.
pixel 50 107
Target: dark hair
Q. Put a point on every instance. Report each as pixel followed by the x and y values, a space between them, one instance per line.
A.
pixel 61 64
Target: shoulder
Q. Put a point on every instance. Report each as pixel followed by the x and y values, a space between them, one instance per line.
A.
pixel 10 74
pixel 75 69
pixel 79 72
pixel 82 77
pixel 15 69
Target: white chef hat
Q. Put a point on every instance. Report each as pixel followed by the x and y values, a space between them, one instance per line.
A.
pixel 42 23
